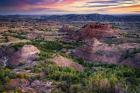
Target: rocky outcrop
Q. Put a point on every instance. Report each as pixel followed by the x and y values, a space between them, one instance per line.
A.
pixel 15 83
pixel 49 36
pixel 95 50
pixel 26 86
pixel 89 31
pixel 66 28
pixel 3 58
pixel 64 62
pixel 25 55
pixel 133 60
pixel 68 33
pixel 98 30
pixel 5 53
pixel 42 87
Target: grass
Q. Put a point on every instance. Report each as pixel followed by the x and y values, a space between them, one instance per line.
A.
pixel 101 78
pixel 96 78
pixel 5 76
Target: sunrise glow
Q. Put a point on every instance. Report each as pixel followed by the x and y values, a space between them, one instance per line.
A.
pixel 69 6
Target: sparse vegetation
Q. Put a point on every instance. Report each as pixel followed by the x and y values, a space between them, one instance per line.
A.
pixel 97 77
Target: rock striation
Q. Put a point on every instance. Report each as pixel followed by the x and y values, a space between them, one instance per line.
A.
pixel 98 30
pixel 90 31
pixel 26 86
pixel 24 55
pixel 96 51
pixel 64 62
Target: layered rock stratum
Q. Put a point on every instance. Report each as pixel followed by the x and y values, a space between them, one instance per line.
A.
pixel 65 62
pixel 96 51
pixel 98 30
pixel 24 55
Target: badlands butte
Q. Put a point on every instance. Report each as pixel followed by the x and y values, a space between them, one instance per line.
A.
pixel 68 57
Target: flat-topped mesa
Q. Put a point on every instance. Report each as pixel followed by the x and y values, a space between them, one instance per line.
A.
pixel 98 30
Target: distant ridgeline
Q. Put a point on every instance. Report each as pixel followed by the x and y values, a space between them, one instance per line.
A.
pixel 72 17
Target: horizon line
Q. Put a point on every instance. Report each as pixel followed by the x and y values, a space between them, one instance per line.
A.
pixel 60 14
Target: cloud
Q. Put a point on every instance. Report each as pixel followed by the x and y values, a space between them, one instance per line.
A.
pixel 122 9
pixel 107 3
pixel 65 6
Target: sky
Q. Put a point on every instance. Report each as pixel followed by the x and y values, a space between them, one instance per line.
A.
pixel 69 6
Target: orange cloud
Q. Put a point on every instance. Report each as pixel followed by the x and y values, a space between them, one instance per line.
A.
pixel 124 9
